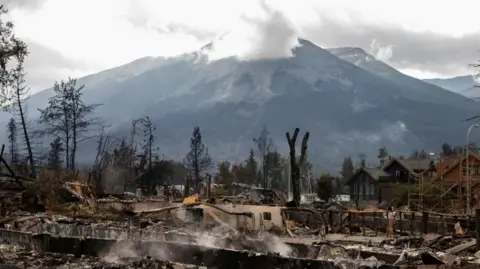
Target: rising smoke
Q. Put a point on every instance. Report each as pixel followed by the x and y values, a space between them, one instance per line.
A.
pixel 381 53
pixel 217 237
pixel 269 36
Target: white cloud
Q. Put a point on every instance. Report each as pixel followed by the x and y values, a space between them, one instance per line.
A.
pixel 422 74
pixel 108 33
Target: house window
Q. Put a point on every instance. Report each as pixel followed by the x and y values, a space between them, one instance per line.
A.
pixel 397 176
pixel 267 216
pixel 476 170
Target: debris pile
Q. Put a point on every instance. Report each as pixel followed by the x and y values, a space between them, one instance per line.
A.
pixel 255 221
pixel 17 257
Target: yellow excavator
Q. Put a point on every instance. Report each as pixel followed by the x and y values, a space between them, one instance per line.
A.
pixel 191 199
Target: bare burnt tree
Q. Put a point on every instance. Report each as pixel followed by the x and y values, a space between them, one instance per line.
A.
pixel 68 118
pixel 12 49
pixel 197 159
pixel 149 140
pixel 103 155
pixel 294 166
pixel 19 94
pixel 264 146
pixel 133 149
pixel 12 140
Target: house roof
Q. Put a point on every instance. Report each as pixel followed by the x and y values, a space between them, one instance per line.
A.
pixel 374 173
pixel 458 161
pixel 412 165
pixel 445 162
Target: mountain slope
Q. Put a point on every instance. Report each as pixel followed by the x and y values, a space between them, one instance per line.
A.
pixel 347 109
pixel 409 85
pixel 463 85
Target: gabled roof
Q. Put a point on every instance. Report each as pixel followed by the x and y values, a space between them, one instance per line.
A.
pixel 374 173
pixel 411 165
pixel 445 162
pixel 459 161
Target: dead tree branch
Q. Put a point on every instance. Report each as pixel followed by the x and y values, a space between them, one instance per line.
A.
pixel 294 166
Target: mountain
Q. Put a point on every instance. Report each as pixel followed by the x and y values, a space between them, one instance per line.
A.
pixel 410 86
pixel 349 106
pixel 463 85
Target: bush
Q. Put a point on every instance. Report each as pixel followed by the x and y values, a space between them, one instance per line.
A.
pixel 324 187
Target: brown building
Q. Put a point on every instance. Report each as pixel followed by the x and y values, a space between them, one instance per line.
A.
pixel 454 173
pixel 455 168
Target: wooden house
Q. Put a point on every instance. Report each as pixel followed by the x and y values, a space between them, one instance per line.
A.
pixel 454 173
pixel 365 184
pixel 410 170
pixel 380 184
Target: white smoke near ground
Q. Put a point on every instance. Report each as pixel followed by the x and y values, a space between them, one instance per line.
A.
pixel 122 249
pixel 218 237
pixel 277 246
pixel 269 35
pixel 381 53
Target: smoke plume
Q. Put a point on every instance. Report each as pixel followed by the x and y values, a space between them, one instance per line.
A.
pixel 381 53
pixel 269 36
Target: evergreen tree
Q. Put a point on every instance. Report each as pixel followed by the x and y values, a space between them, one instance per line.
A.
pixel 324 187
pixel 225 175
pixel 382 155
pixel 447 149
pixel 348 169
pixel 54 155
pixel 197 159
pixel 276 166
pixel 239 173
pixel 264 145
pixel 251 168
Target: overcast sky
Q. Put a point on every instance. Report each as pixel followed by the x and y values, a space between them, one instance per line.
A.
pixel 75 37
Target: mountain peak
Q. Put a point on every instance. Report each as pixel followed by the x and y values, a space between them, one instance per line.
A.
pixel 355 55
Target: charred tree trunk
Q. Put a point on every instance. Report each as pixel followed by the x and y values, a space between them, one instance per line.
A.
pixel 294 166
pixel 209 184
pixel 27 138
pixel 186 190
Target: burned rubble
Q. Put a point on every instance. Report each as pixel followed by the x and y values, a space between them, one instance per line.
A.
pixel 21 258
pixel 326 235
pixel 254 228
